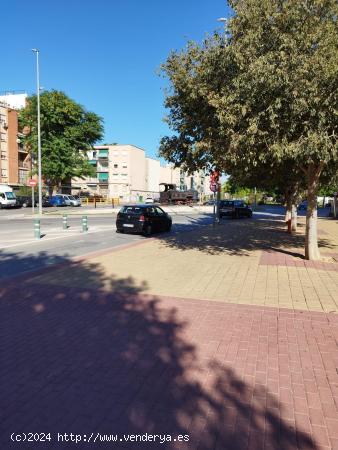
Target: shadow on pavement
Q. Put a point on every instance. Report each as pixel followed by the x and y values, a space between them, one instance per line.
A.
pixel 117 361
pixel 239 237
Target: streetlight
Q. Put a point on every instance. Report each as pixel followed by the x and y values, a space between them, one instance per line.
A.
pixel 36 51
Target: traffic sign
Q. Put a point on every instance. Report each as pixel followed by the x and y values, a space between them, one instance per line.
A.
pixel 214 187
pixel 32 183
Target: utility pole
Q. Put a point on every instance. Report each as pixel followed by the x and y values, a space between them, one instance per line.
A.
pixel 36 51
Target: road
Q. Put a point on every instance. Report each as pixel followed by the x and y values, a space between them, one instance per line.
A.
pixel 21 252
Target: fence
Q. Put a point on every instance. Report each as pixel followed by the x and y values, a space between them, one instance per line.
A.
pixel 100 201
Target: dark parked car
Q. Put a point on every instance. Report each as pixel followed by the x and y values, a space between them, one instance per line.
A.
pixel 234 209
pixel 45 202
pixel 22 201
pixel 209 203
pixel 302 206
pixel 145 219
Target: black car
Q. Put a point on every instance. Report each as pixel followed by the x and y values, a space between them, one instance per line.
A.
pixel 24 201
pixel 234 209
pixel 45 202
pixel 145 219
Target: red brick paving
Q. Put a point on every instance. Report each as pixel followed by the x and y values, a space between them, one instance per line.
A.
pixel 275 258
pixel 230 376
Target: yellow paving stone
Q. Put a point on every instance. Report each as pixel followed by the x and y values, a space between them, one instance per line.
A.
pixel 215 264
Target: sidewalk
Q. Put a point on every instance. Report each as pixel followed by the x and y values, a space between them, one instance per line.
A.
pixel 225 335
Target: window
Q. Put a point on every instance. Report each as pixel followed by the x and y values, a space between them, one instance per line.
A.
pixel 116 166
pixel 23 176
pixel 4 172
pixel 115 174
pixel 94 154
pixel 3 155
pixel 124 166
pixel 103 176
pixel 124 174
pixel 159 211
pixel 2 136
pixel 132 210
pixel 2 118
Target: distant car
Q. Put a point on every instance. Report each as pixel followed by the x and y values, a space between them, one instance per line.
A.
pixel 149 200
pixel 72 200
pixel 209 203
pixel 302 206
pixel 144 219
pixel 57 200
pixel 234 209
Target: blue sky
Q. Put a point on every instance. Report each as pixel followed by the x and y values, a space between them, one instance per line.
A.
pixel 105 54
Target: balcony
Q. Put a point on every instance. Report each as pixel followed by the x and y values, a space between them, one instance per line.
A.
pixel 93 162
pixel 92 181
pixel 24 165
pixel 103 177
pixel 103 154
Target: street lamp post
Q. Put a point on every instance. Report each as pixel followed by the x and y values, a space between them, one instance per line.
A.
pixel 36 51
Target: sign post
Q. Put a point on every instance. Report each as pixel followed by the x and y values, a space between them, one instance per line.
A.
pixel 32 183
pixel 214 188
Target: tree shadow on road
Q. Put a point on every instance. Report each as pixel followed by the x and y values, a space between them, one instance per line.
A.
pixel 104 357
pixel 239 237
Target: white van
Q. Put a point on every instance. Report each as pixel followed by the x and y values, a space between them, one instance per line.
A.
pixel 7 196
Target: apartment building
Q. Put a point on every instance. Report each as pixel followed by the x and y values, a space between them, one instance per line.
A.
pixel 15 162
pixel 199 180
pixel 125 172
pixel 122 171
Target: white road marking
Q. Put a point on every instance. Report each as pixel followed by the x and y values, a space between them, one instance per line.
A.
pixel 46 238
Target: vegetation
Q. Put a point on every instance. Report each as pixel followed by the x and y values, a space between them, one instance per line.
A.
pixel 68 131
pixel 261 101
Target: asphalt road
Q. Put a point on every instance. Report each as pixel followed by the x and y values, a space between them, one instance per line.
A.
pixel 21 252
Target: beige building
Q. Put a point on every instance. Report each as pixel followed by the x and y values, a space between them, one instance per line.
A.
pixel 121 172
pixel 125 172
pixel 198 180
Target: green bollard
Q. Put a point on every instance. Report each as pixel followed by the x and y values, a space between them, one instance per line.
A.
pixel 37 232
pixel 84 223
pixel 64 222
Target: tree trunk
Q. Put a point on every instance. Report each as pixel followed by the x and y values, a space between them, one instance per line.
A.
pixel 288 212
pixel 293 217
pixel 311 237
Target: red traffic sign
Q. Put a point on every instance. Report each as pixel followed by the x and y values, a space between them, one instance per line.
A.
pixel 214 187
pixel 32 183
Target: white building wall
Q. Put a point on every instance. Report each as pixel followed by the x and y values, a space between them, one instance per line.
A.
pixel 152 175
pixel 16 101
pixel 133 176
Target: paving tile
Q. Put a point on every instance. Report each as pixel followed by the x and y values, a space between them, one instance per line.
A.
pixel 132 351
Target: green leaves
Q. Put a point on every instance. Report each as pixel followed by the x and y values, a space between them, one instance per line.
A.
pixel 67 132
pixel 270 94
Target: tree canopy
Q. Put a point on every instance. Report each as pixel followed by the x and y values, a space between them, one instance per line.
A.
pixel 68 131
pixel 264 95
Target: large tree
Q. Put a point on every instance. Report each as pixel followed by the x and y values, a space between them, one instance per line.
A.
pixel 68 131
pixel 268 93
